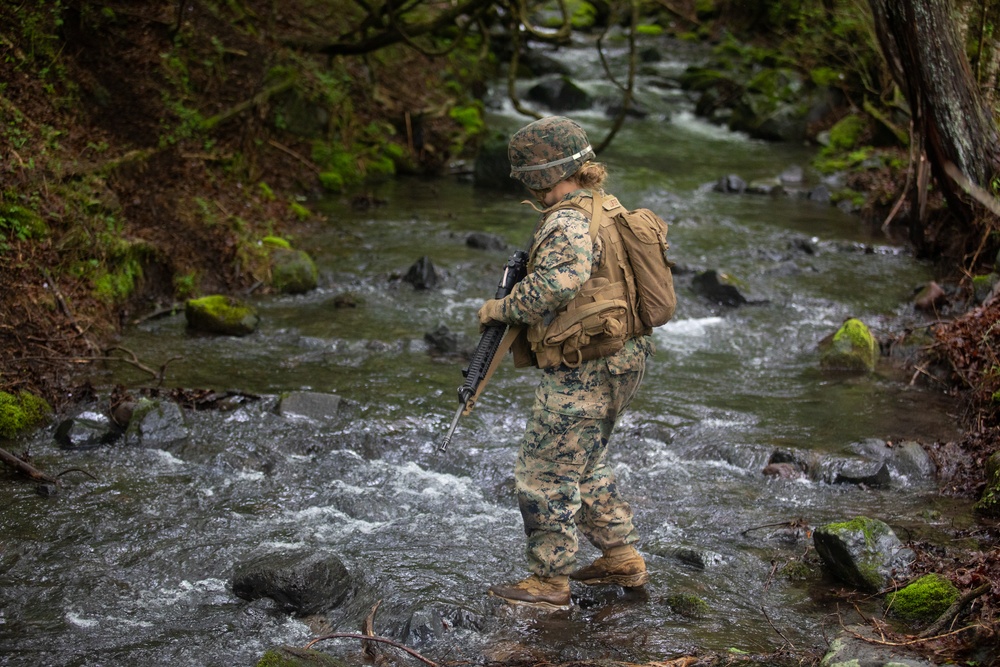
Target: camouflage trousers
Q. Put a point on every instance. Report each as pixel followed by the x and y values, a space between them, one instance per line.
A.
pixel 563 480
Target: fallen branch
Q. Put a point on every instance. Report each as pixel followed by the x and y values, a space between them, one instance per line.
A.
pixel 27 469
pixel 256 100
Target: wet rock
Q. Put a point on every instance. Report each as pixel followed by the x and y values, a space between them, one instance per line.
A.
pixel 559 93
pixel 851 348
pixel 863 552
pixel 47 490
pixel 930 297
pixel 291 656
pixel 731 184
pixel 872 474
pixel 424 625
pixel 982 286
pixel 709 286
pixel 293 271
pixel 86 431
pixel 907 458
pixel 688 605
pixel 423 274
pixel 820 194
pixel 221 314
pixel 767 187
pixel 793 174
pixel 989 502
pixel 484 241
pixel 539 63
pixel 156 424
pixel 443 340
pixel 857 646
pixel 300 583
pixel 310 404
pixel 698 558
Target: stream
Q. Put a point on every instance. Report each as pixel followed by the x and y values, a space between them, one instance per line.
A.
pixel 134 567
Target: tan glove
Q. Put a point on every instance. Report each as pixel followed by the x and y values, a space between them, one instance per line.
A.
pixel 490 313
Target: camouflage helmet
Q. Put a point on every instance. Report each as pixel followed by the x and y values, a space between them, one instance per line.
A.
pixel 547 151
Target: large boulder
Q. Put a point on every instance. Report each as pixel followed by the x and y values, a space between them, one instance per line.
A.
pixel 559 93
pixel 712 288
pixel 863 552
pixel 851 348
pixel 221 314
pixel 301 583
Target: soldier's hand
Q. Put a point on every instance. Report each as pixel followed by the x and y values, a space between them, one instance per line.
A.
pixel 490 313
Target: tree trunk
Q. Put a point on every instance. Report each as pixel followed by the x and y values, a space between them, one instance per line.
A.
pixel 951 121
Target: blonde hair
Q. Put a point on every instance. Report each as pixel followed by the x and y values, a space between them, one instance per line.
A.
pixel 591 175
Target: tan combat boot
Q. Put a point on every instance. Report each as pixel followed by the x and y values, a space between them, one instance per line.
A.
pixel 622 565
pixel 542 592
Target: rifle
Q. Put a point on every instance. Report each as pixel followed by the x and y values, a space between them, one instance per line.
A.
pixel 496 338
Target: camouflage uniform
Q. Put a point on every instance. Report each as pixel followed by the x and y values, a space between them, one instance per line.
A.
pixel 562 476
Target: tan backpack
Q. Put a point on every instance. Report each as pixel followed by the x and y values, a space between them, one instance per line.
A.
pixel 644 236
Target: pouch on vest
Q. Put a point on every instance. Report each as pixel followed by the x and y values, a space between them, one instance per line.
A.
pixel 593 326
pixel 644 235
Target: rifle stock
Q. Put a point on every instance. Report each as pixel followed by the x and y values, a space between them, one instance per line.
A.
pixel 496 339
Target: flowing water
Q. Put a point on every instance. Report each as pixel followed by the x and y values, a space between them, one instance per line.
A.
pixel 134 567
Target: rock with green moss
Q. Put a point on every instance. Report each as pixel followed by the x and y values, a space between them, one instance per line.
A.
pixel 293 271
pixel 851 348
pixel 688 605
pixel 923 600
pixel 21 412
pixel 983 286
pixel 221 314
pixel 290 656
pixel 862 552
pixel 989 502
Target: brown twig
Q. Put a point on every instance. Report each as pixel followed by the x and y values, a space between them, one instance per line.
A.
pixel 26 468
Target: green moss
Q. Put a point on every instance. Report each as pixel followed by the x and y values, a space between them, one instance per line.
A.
pixel 923 600
pixel 299 211
pixel 276 242
pixel 288 656
pixel 222 307
pixel 847 133
pixel 265 191
pixel 21 412
pixel 649 29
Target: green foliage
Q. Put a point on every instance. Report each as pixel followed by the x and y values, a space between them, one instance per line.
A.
pixel 19 219
pixel 21 412
pixel 649 29
pixel 185 285
pixel 276 242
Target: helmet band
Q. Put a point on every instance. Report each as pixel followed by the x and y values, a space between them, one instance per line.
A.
pixel 554 163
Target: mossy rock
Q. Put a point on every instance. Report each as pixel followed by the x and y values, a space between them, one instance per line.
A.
pixel 688 605
pixel 221 314
pixel 852 348
pixel 989 502
pixel 862 552
pixel 290 656
pixel 21 412
pixel 923 600
pixel 293 271
pixel 848 133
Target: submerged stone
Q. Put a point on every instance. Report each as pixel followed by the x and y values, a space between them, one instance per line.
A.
pixel 423 274
pixel 221 315
pixel 300 583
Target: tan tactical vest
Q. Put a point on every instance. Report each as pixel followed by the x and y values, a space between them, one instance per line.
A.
pixel 604 313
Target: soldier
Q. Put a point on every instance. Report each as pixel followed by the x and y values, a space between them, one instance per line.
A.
pixel 578 309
